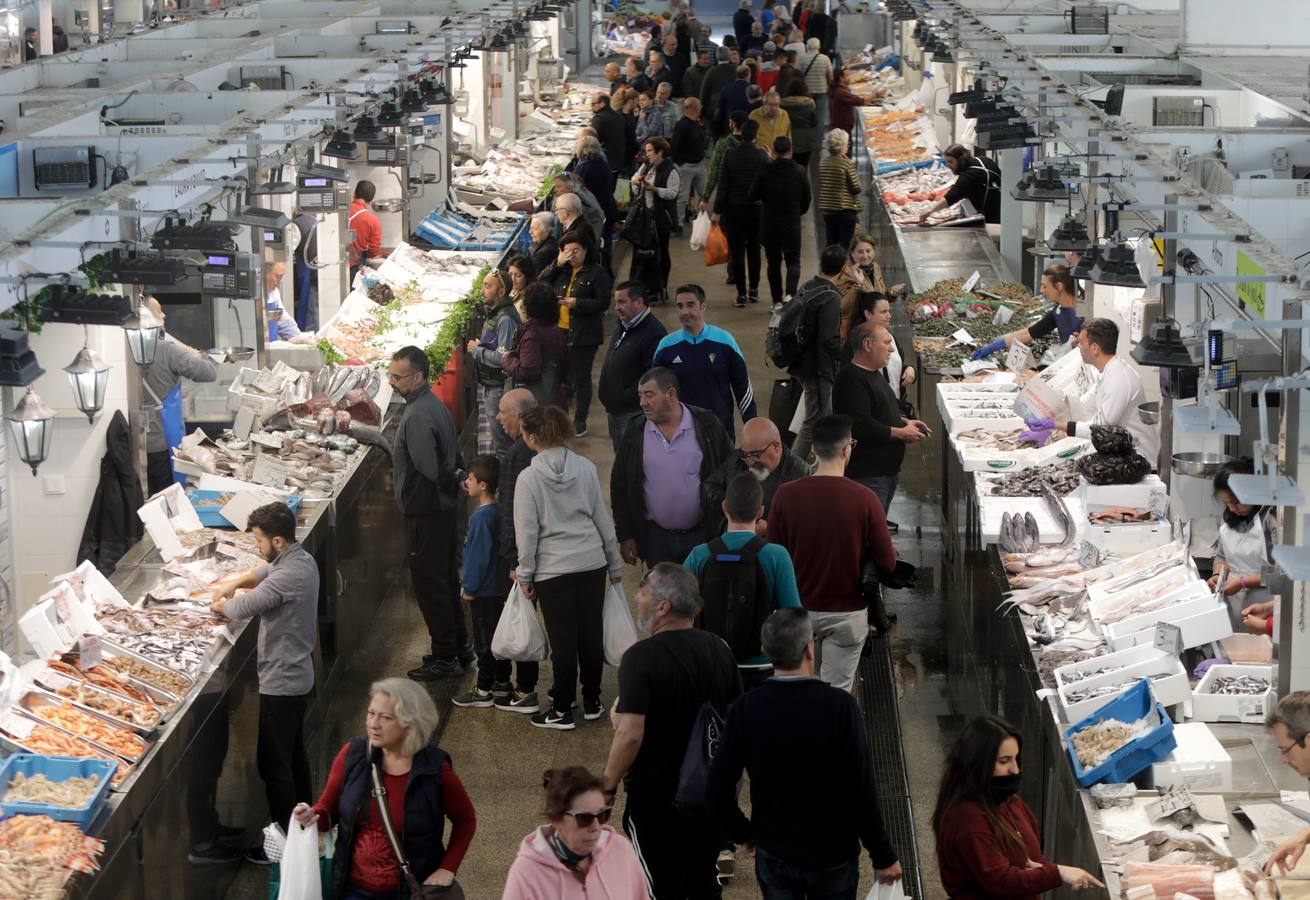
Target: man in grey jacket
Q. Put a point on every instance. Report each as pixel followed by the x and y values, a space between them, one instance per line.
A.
pixel 173 362
pixel 284 594
pixel 424 461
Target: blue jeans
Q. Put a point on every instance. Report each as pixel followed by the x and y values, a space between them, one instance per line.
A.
pixel 782 880
pixel 884 486
pixel 358 893
pixel 619 423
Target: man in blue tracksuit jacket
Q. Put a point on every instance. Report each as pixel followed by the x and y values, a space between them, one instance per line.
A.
pixel 710 368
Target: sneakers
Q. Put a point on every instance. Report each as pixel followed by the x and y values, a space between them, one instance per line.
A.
pixel 214 854
pixel 741 301
pixel 475 699
pixel 516 702
pixel 437 670
pixel 579 429
pixel 553 718
pixel 893 528
pixel 592 710
pixel 727 866
pixel 258 857
pixel 754 296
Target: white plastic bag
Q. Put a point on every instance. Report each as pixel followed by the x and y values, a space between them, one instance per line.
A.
pixel 700 231
pixel 619 629
pixel 893 891
pixel 519 636
pixel 300 871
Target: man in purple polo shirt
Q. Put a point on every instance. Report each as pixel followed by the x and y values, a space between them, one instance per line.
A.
pixel 655 486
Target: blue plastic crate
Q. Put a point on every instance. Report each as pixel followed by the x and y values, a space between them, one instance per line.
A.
pixel 56 768
pixel 210 516
pixel 1130 706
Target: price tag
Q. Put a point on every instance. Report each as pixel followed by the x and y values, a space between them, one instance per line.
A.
pixel 62 610
pixel 1089 555
pixel 1169 638
pixel 1003 315
pixel 54 681
pixel 89 652
pixel 1020 357
pixel 18 726
pixel 1158 503
pixel 963 337
pixel 970 366
pixel 972 282
pixel 1169 803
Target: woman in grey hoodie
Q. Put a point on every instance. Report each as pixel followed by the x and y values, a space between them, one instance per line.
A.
pixel 566 544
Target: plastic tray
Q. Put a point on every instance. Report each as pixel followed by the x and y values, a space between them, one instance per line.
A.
pixel 1133 704
pixel 211 517
pixel 56 768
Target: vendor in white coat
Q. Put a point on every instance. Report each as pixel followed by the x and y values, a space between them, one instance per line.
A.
pixel 1119 392
pixel 1246 536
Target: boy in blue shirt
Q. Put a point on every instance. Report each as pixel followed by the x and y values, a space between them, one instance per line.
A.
pixel 744 505
pixel 481 582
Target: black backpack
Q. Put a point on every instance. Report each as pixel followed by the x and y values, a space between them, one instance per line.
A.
pixel 785 341
pixel 736 594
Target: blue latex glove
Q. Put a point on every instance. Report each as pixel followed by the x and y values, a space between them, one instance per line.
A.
pixel 988 349
pixel 1036 437
pixel 1041 424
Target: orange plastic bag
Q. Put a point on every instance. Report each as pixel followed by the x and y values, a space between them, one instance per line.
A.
pixel 716 247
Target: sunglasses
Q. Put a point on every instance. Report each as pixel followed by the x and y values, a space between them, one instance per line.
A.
pixel 585 819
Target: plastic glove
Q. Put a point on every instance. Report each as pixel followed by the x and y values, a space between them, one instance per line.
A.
pixel 1036 437
pixel 988 349
pixel 1204 666
pixel 1041 424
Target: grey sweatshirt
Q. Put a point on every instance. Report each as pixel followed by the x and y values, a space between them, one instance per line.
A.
pixel 286 600
pixel 560 520
pixel 173 362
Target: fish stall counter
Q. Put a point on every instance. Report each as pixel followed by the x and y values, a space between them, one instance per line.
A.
pixel 1062 651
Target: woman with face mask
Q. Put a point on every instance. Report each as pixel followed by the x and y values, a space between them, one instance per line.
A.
pixel 987 836
pixel 1246 534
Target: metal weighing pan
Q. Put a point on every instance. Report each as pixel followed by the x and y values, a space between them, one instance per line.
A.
pixel 34 700
pixel 127 768
pixel 1199 465
pixel 165 673
pixel 49 686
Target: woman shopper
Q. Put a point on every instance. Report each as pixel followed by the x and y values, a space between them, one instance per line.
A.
pixel 1246 537
pixel 576 855
pixel 422 792
pixel 987 843
pixel 594 171
pixel 521 274
pixel 862 274
pixel 804 122
pixel 566 545
pixel 839 189
pixel 656 183
pixel 876 309
pixel 650 118
pixel 537 357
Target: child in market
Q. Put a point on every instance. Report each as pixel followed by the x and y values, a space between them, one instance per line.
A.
pixel 480 583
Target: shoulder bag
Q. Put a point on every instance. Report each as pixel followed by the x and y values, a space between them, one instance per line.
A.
pixel 417 890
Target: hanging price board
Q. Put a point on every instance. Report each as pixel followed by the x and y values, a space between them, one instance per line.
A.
pixel 1020 357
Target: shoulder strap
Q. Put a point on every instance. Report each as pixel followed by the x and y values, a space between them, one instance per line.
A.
pixel 380 793
pixel 813 60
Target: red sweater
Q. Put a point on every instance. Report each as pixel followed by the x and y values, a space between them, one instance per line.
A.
pixel 829 524
pixel 974 864
pixel 368 233
pixel 373 864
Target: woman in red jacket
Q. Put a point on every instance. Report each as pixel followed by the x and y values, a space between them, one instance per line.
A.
pixel 987 844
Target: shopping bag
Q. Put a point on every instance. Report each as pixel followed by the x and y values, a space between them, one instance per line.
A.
pixel 519 636
pixel 639 227
pixel 616 622
pixel 301 877
pixel 893 891
pixel 716 247
pixel 700 231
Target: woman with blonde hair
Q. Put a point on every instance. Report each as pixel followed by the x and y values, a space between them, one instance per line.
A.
pixel 862 274
pixel 566 543
pixel 420 790
pixel 839 188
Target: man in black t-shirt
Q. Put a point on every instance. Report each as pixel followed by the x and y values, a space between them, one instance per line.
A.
pixel 663 681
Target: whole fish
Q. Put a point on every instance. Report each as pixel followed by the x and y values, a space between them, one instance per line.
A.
pixel 1061 513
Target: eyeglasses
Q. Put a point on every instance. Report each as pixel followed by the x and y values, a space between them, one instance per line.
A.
pixel 585 819
pixel 1283 751
pixel 750 456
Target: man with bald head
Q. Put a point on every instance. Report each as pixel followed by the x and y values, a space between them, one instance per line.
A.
pixel 880 431
pixel 513 405
pixel 760 452
pixel 614 75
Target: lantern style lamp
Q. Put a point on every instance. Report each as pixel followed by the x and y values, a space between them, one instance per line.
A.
pixel 143 333
pixel 88 375
pixel 31 427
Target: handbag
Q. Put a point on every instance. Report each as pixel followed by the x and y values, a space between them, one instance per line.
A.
pixel 417 891
pixel 639 227
pixel 905 576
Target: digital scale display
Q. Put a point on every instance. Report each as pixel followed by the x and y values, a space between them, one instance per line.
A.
pixel 272 237
pixel 226 262
pixel 314 182
pixel 226 275
pixel 317 195
pixel 382 154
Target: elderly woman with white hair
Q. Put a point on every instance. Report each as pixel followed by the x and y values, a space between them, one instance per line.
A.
pixel 544 250
pixel 593 170
pixel 839 188
pixel 420 790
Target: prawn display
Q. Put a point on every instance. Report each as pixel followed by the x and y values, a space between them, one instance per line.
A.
pixel 87 726
pixel 73 793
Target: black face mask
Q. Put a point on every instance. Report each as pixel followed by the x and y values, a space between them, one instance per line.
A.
pixel 1003 787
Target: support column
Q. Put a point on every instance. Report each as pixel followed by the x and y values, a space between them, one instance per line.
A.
pixel 1011 163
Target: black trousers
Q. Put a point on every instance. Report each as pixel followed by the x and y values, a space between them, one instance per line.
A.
pixel 492 671
pixel 678 853
pixel 159 472
pixel 782 245
pixel 432 542
pixel 741 226
pixel 571 605
pixel 653 270
pixel 661 545
pixel 280 755
pixel 206 767
pixel 580 362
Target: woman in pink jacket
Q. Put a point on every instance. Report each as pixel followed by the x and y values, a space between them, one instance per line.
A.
pixel 575 855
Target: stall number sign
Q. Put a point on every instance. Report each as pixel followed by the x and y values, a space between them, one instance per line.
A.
pixel 1020 357
pixel 17 725
pixel 89 652
pixel 972 282
pixel 1176 799
pixel 1252 293
pixel 1169 638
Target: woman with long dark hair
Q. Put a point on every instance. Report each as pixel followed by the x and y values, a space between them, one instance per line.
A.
pixel 987 837
pixel 1246 537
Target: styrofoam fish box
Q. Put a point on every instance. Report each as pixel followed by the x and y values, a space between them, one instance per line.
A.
pixel 1198 625
pixel 1207 707
pixel 1145 494
pixel 1167 584
pixel 977 459
pixel 982 387
pixel 1199 762
pixel 991 510
pixel 1135 662
pixel 1130 536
